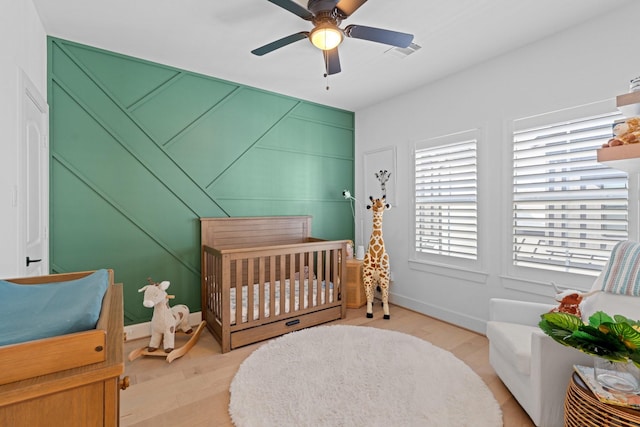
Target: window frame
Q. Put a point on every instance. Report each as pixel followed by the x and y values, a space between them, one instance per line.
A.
pixel 467 269
pixel 534 279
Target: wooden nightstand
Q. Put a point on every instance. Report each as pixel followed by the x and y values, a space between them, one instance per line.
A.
pixel 355 290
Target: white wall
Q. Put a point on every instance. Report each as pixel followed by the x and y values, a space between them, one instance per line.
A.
pixel 589 63
pixel 23 46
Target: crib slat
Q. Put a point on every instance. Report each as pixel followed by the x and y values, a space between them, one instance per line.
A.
pixel 226 296
pixel 320 276
pixel 282 270
pixel 301 284
pixel 216 288
pixel 261 300
pixel 272 287
pixel 335 268
pixel 250 287
pixel 237 284
pixel 309 282
pixel 293 283
pixel 327 275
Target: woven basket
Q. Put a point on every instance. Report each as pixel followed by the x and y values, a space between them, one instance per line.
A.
pixel 583 409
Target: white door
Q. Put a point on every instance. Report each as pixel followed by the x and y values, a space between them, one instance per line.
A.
pixel 33 193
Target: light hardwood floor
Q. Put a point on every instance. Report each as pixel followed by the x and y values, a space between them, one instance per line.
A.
pixel 194 390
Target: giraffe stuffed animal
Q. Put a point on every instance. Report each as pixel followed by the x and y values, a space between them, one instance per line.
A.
pixel 375 268
pixel 165 319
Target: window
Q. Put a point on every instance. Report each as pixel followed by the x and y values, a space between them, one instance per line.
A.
pixel 446 220
pixel 568 209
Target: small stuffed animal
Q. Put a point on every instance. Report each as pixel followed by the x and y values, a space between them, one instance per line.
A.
pixel 627 132
pixel 570 300
pixel 569 303
pixel 165 319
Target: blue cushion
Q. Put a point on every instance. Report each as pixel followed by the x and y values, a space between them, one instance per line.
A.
pixel 30 312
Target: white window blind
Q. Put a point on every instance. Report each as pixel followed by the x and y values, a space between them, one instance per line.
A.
pixel 568 209
pixel 446 199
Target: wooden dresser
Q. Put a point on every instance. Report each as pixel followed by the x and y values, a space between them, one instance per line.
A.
pixel 85 396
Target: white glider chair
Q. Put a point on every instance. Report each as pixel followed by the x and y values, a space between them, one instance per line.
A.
pixel 537 369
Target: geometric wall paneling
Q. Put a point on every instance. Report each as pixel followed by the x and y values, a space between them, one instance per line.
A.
pixel 172 108
pixel 98 236
pixel 125 129
pixel 330 116
pixel 128 79
pixel 95 220
pixel 140 151
pixel 311 137
pixel 281 175
pixel 240 121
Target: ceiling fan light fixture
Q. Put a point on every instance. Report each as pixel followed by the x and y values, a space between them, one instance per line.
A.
pixel 326 36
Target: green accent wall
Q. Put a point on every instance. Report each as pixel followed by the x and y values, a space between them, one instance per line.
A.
pixel 140 151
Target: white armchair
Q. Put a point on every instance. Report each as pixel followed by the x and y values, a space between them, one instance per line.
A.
pixel 534 368
pixel 537 369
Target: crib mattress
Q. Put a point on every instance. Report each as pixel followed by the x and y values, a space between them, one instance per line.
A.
pixel 297 291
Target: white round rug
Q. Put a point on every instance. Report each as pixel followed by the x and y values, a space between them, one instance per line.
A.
pixel 358 376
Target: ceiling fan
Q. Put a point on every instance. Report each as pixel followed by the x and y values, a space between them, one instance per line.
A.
pixel 326 35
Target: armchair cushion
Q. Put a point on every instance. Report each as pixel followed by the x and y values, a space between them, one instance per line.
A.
pixel 513 341
pixel 522 312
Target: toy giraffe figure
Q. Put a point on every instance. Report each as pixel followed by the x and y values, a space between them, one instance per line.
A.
pixel 375 268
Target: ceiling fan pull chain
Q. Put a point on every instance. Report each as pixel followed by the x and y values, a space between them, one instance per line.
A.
pixel 327 59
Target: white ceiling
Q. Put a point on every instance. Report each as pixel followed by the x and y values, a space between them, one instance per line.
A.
pixel 215 37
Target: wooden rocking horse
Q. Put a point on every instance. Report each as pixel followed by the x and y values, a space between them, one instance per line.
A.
pixel 164 323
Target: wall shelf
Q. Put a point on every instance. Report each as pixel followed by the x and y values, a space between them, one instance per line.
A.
pixel 623 157
pixel 629 104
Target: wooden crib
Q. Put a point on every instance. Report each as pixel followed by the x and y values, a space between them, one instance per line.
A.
pixel 265 276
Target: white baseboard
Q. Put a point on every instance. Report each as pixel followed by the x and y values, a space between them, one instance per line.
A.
pixel 143 330
pixel 457 318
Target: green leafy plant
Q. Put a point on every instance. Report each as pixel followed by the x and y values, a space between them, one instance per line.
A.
pixel 616 339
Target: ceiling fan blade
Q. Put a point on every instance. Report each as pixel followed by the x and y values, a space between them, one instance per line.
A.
pixel 294 8
pixel 379 35
pixel 347 7
pixel 332 61
pixel 280 43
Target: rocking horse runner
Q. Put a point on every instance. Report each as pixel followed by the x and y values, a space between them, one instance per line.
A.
pixel 375 268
